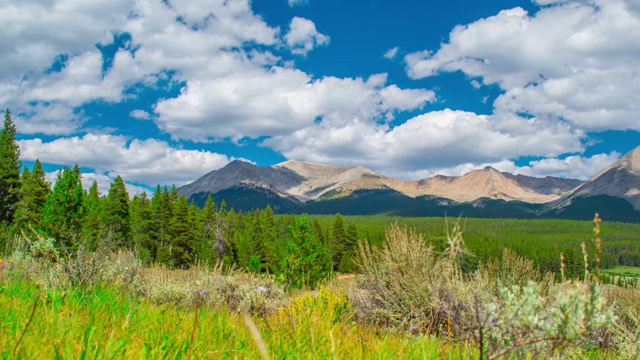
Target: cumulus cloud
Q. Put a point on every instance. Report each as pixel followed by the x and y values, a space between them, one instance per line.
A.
pixel 303 36
pixel 576 166
pixel 278 101
pixel 434 140
pixel 104 183
pixel 140 114
pixel 147 161
pixel 64 69
pixel 570 167
pixel 575 60
pixel 573 66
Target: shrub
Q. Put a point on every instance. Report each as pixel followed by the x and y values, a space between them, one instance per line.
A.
pixel 404 282
pixel 524 322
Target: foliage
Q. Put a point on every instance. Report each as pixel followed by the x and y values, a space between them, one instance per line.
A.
pixel 115 208
pixel 63 211
pixel 9 170
pixel 526 323
pixel 34 190
pixel 307 262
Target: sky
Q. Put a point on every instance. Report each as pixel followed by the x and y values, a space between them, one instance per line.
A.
pixel 165 91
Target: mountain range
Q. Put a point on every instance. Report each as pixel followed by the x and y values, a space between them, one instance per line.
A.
pixel 299 186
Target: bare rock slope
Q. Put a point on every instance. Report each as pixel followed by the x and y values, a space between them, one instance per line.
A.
pixel 621 179
pixel 310 181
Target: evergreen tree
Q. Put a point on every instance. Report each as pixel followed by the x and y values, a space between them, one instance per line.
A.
pixel 34 190
pixel 317 229
pixel 116 221
pixel 207 247
pixel 63 212
pixel 92 223
pixel 338 240
pixel 307 262
pixel 142 227
pixel 182 237
pixel 243 240
pixel 162 206
pixel 272 250
pixel 9 170
pixel 347 265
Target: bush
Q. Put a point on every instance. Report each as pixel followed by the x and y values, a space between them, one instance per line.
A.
pixel 404 283
pixel 523 321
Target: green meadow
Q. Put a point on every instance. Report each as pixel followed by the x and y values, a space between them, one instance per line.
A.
pixel 420 291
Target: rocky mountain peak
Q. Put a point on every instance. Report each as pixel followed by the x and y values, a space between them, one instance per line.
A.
pixel 621 179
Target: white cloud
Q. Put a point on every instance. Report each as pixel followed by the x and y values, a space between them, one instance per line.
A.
pixel 391 53
pixel 104 183
pixel 146 161
pixel 278 101
pixel 303 36
pixel 178 36
pixel 576 167
pixel 434 140
pixel 294 3
pixel 576 60
pixel 140 114
pixel 570 167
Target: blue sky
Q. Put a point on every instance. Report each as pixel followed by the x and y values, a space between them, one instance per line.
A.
pixel 164 91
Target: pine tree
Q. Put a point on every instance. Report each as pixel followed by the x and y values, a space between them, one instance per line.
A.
pixel 142 227
pixel 347 264
pixel 338 240
pixel 34 190
pixel 162 205
pixel 207 247
pixel 243 240
pixel 307 261
pixel 116 224
pixel 9 170
pixel 182 237
pixel 63 213
pixel 272 250
pixel 317 228
pixel 92 223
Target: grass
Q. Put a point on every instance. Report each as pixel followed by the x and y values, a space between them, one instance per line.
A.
pixel 409 302
pixel 102 324
pixel 627 271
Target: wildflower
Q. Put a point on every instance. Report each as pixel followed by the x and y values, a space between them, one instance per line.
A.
pixel 1 264
pixel 414 327
pixel 262 289
pixel 204 292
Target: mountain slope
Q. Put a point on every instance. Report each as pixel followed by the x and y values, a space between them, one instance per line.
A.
pixel 620 180
pixel 310 181
pixel 490 183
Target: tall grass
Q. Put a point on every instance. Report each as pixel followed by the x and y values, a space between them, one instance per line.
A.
pixel 100 323
pixel 410 302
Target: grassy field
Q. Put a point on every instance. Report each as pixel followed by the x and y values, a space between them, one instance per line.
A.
pixel 411 301
pixel 628 271
pixel 102 323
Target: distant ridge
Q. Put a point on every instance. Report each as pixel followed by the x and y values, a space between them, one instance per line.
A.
pixel 299 186
pixel 311 181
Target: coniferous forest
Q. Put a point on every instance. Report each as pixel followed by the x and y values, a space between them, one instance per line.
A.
pixel 167 229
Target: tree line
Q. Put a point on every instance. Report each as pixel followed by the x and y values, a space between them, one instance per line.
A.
pixel 165 228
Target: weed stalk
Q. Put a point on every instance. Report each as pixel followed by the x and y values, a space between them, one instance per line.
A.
pixel 33 312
